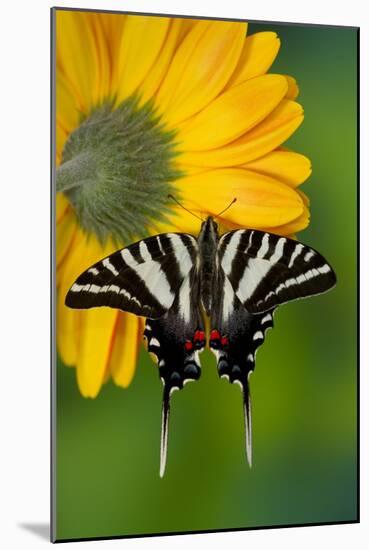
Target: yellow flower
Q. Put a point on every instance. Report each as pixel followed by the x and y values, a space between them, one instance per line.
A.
pixel 218 119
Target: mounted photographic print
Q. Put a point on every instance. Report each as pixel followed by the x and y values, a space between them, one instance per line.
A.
pixel 205 192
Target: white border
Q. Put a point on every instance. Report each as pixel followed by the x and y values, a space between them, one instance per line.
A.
pixel 24 399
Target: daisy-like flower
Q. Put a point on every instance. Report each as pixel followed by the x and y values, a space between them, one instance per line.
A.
pixel 147 106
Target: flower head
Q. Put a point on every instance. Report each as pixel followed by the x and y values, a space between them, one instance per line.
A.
pixel 147 106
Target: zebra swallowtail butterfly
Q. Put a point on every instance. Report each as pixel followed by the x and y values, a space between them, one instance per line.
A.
pixel 174 280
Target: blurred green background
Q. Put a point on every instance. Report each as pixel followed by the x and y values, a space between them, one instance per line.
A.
pixel 304 387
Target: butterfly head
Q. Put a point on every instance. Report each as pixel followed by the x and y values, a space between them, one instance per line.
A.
pixel 209 229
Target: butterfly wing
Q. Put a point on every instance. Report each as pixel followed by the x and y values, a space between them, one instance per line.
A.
pixel 176 340
pixel 235 337
pixel 143 278
pixel 257 272
pixel 156 278
pixel 266 270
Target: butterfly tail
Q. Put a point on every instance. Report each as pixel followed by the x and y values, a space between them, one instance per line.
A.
pixel 164 430
pixel 248 424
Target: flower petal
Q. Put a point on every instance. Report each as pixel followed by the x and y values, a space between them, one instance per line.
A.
pixel 180 220
pixel 286 166
pixel 68 320
pixel 206 70
pixel 298 224
pixel 182 56
pixel 293 89
pixel 68 323
pixel 266 136
pixel 62 206
pixel 232 114
pixel 65 231
pixel 186 26
pixel 261 201
pixel 97 326
pixel 67 112
pixel 126 345
pixel 113 25
pixel 84 252
pixel 258 53
pixel 141 42
pixel 103 67
pixel 157 72
pixel 61 138
pixel 77 55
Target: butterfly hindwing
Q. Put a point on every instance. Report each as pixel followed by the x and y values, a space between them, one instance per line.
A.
pixel 176 340
pixel 235 337
pixel 266 270
pixel 142 278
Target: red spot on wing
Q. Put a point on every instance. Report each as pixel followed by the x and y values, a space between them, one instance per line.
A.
pixel 199 336
pixel 188 345
pixel 224 341
pixel 214 335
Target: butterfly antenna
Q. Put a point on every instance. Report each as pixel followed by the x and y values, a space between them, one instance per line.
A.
pixel 164 430
pixel 248 426
pixel 229 206
pixel 184 208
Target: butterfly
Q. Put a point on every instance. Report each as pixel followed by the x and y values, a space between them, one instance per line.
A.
pixel 175 280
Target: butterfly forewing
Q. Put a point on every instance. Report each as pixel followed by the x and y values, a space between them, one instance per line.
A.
pixel 143 278
pixel 266 270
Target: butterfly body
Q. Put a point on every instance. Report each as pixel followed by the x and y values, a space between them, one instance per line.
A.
pixel 208 242
pixel 174 280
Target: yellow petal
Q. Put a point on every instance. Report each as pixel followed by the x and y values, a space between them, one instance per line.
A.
pixel 103 68
pixel 304 197
pixel 67 332
pixel 126 345
pixel 266 136
pixel 188 170
pixel 293 89
pixel 258 53
pixel 298 224
pixel 181 221
pixel 157 72
pixel 68 320
pixel 77 55
pixel 181 58
pixel 61 138
pixel 206 71
pixel 232 114
pixel 186 26
pixel 141 42
pixel 84 337
pixel 65 231
pixel 261 201
pixel 97 326
pixel 113 25
pixel 67 112
pixel 62 206
pixel 83 253
pixel 286 166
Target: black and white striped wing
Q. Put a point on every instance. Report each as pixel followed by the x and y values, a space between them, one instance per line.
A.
pixel 235 337
pixel 257 272
pixel 176 339
pixel 266 270
pixel 143 278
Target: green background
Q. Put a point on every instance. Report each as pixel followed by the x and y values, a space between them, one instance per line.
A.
pixel 304 388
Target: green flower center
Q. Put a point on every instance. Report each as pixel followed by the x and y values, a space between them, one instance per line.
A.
pixel 116 170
